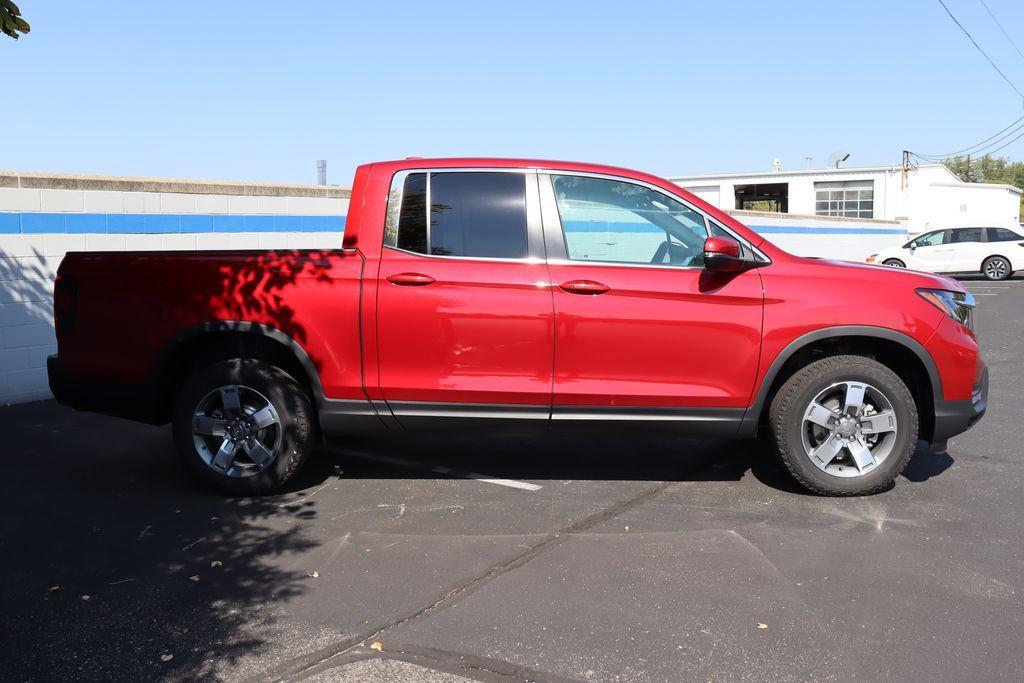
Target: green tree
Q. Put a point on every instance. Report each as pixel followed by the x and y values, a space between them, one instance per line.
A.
pixel 11 22
pixel 988 169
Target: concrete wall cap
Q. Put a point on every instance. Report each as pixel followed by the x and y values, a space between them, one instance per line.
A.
pixel 70 181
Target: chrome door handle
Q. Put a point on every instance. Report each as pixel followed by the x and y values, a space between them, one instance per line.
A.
pixel 410 279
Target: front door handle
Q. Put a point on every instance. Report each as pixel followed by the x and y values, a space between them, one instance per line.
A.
pixel 410 279
pixel 584 287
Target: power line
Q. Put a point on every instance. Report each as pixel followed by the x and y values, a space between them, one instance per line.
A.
pixel 993 151
pixel 985 54
pixel 972 147
pixel 985 5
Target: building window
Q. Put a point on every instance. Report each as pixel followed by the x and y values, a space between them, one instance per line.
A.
pixel 849 199
pixel 773 197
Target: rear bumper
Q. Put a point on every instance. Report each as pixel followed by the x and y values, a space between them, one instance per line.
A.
pixel 129 400
pixel 956 417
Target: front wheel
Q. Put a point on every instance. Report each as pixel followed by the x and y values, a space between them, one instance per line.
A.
pixel 894 263
pixel 996 268
pixel 844 425
pixel 243 426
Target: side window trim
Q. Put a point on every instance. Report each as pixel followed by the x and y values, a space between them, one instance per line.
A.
pixel 554 235
pixel 534 229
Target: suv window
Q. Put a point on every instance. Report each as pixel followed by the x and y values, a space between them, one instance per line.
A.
pixel 1003 235
pixel 967 235
pixel 473 214
pixel 619 222
pixel 932 239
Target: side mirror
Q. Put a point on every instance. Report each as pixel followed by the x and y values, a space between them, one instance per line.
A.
pixel 723 255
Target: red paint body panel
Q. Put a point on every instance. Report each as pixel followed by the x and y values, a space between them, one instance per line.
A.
pixel 657 337
pixel 481 332
pixel 490 332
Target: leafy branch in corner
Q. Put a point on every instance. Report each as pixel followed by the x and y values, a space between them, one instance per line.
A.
pixel 11 22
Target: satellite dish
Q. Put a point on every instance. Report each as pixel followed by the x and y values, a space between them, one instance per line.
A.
pixel 837 157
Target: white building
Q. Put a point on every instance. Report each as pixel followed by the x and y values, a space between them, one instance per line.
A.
pixel 930 196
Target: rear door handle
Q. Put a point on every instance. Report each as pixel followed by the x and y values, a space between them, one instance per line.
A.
pixel 584 287
pixel 410 279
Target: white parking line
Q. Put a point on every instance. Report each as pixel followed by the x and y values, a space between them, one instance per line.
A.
pixel 440 469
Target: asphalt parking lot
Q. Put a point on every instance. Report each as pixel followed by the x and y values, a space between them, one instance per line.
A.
pixel 515 559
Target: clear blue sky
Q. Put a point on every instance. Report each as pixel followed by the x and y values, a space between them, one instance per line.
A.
pixel 260 90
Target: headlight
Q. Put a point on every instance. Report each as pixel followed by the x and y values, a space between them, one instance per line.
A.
pixel 957 305
pixel 871 259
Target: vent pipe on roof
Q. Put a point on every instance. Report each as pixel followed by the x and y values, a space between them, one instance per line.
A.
pixel 776 165
pixel 321 172
pixel 807 161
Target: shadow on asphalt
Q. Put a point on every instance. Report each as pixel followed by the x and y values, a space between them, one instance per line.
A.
pixel 573 458
pixel 102 508
pixel 176 575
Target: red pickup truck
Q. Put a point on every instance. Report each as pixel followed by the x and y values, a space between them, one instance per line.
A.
pixel 507 294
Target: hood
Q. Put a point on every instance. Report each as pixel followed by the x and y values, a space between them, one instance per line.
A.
pixel 898 276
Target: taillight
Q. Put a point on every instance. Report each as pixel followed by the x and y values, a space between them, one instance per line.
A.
pixel 65 305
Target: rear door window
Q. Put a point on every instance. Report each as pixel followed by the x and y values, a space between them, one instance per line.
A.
pixel 471 214
pixel 966 235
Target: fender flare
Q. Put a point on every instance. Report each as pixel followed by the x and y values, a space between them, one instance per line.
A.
pixel 171 346
pixel 753 414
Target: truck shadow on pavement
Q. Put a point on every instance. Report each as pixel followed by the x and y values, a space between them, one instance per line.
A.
pixel 539 458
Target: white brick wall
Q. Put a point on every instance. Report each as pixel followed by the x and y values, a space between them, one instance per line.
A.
pixel 28 264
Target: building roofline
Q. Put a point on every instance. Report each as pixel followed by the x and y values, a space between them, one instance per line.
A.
pixel 995 186
pixel 803 171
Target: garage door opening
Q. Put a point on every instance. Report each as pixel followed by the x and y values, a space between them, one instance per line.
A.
pixel 763 197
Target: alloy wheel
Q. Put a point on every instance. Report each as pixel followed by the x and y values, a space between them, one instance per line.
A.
pixel 849 429
pixel 996 269
pixel 236 431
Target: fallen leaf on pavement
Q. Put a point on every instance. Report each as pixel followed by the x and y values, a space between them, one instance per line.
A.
pixel 194 577
pixel 183 631
pixel 216 563
pixel 56 589
pixel 762 626
pixel 166 658
pixel 313 575
pixel 376 645
pixel 86 598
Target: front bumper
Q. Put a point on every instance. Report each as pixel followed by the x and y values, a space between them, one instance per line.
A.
pixel 956 417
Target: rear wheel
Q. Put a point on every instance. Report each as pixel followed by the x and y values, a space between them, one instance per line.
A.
pixel 996 268
pixel 894 263
pixel 844 425
pixel 243 426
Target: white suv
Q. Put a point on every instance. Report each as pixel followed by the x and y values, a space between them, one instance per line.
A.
pixel 994 252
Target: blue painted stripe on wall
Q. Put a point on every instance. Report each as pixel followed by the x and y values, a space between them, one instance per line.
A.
pixel 814 230
pixel 13 223
pixel 613 226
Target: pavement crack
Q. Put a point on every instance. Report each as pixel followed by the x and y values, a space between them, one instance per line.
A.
pixel 294 670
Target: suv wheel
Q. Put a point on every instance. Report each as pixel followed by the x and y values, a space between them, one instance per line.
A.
pixel 845 425
pixel 996 268
pixel 243 426
pixel 894 263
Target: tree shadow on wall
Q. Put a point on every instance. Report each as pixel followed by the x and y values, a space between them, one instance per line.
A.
pixel 26 334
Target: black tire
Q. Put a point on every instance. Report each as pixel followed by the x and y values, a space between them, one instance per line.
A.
pixel 794 397
pixel 996 268
pixel 894 263
pixel 293 411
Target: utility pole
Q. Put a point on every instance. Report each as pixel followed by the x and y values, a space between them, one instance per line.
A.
pixel 968 172
pixel 904 169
